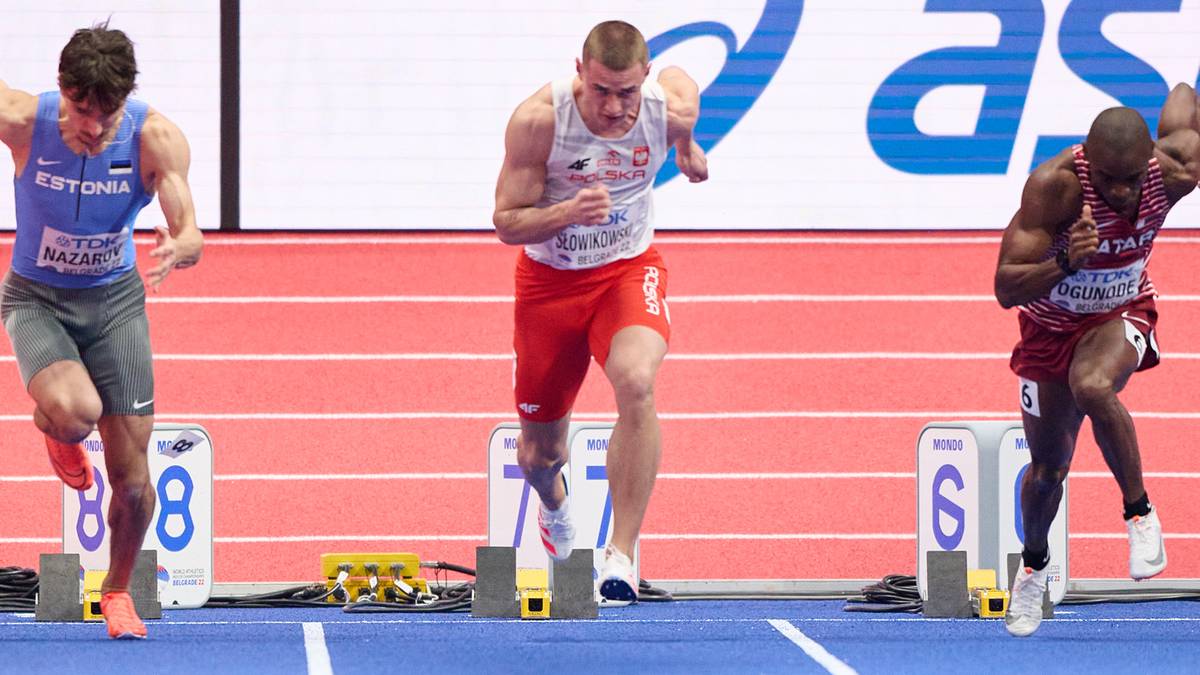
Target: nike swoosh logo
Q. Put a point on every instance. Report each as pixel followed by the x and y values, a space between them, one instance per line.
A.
pixel 47 162
pixel 141 404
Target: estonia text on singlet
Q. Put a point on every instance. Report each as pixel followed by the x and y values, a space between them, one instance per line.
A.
pixel 1116 275
pixel 626 165
pixel 75 213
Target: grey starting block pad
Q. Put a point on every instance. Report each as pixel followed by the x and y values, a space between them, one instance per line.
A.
pixel 143 585
pixel 572 591
pixel 946 573
pixel 496 583
pixel 59 590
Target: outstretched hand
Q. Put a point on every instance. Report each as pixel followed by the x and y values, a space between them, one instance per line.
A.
pixel 165 251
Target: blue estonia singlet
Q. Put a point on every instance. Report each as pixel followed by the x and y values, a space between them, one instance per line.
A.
pixel 75 213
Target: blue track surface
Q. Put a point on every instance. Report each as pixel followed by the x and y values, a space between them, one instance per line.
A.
pixel 695 636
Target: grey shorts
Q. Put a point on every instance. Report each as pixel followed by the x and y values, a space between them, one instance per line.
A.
pixel 103 328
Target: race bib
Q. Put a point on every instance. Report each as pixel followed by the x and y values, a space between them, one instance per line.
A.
pixel 582 246
pixel 92 255
pixel 1097 291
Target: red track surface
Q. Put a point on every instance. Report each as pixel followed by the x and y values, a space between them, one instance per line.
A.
pixel 822 519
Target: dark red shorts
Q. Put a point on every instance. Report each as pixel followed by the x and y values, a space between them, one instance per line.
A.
pixel 1044 355
pixel 565 317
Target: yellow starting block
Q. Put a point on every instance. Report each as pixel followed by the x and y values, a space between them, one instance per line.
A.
pixel 987 601
pixel 533 589
pixel 92 580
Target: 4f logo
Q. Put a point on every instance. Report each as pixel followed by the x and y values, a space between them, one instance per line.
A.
pixel 580 164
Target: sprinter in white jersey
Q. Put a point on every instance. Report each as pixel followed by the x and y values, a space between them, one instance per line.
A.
pixel 576 191
pixel 87 159
pixel 1074 259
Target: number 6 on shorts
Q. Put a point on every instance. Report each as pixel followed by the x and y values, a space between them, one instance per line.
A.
pixel 1029 397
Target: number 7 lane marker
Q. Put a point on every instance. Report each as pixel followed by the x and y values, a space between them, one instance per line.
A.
pixel 828 661
pixel 315 650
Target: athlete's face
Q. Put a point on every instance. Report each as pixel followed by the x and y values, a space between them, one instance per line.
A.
pixel 86 123
pixel 610 98
pixel 1118 177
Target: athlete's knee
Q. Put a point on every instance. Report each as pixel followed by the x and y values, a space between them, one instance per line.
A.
pixel 536 454
pixel 72 416
pixel 633 383
pixel 1044 478
pixel 132 491
pixel 1093 391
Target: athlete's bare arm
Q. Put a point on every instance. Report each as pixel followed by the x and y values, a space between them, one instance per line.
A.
pixel 17 112
pixel 165 160
pixel 1052 199
pixel 1178 145
pixel 683 109
pixel 527 144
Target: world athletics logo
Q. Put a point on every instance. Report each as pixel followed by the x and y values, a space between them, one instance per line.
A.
pixel 743 78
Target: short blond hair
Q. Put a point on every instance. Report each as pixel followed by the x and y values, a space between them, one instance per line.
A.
pixel 616 45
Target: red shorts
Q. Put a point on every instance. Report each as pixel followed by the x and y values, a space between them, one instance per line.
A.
pixel 1044 355
pixel 564 317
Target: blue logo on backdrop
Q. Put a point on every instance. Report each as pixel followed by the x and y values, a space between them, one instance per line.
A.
pixel 743 78
pixel 943 504
pixel 1005 71
pixel 1018 516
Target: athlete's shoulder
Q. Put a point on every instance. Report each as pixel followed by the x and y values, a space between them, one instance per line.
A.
pixel 533 120
pixel 163 144
pixel 1056 177
pixel 1053 194
pixel 1178 156
pixel 18 110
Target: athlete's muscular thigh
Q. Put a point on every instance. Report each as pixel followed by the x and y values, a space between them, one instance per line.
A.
pixel 1104 358
pixel 1051 426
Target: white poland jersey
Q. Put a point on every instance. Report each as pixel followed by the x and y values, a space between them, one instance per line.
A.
pixel 626 165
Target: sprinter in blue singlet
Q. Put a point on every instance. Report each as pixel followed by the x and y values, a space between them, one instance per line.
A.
pixel 87 160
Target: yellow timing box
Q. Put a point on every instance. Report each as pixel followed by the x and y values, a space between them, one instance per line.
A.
pixel 985 578
pixel 92 580
pixel 389 571
pixel 532 589
pixel 987 601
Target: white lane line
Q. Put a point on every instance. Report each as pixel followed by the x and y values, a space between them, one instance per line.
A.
pixel 464 356
pixel 745 356
pixel 479 475
pixel 721 536
pixel 475 621
pixel 818 653
pixel 604 416
pixel 315 650
pixel 493 299
pixel 265 238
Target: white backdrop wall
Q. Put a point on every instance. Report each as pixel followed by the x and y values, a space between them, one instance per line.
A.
pixel 825 114
pixel 177 47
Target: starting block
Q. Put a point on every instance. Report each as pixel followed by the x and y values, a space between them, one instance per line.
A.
pixel 957 592
pixel 67 593
pixel 499 593
pixel 969 479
